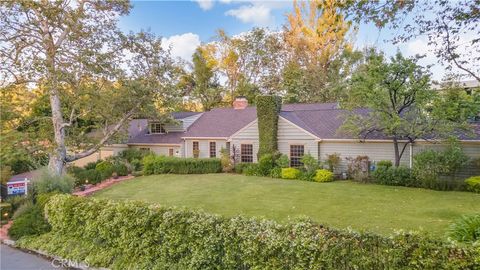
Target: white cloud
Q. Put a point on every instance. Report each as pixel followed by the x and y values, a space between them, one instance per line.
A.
pixel 257 14
pixel 205 4
pixel 182 46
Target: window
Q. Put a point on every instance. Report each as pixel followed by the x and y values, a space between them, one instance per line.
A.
pixel 143 149
pixel 196 149
pixel 227 146
pixel 157 128
pixel 213 149
pixel 246 153
pixel 170 152
pixel 296 154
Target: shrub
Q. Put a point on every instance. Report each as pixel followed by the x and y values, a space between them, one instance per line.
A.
pixel 92 165
pixel 162 164
pixel 91 176
pixel 384 163
pixel 309 163
pixel 473 183
pixel 121 169
pixel 226 160
pixel 333 161
pixel 307 175
pixel 394 176
pixel 16 201
pixel 358 168
pixel 283 161
pixel 135 235
pixel 30 222
pixel 5 174
pixel 5 211
pixel 26 206
pixel 323 176
pixel 265 165
pixel 466 229
pixel 252 170
pixel 429 165
pixel 290 173
pixel 240 167
pixel 105 168
pixel 47 183
pixel 276 172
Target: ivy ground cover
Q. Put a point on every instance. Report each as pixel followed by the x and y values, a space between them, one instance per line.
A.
pixel 341 204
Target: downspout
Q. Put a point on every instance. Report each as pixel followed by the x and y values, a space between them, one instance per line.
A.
pixel 411 156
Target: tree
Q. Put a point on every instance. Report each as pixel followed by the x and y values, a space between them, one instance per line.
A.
pixel 320 55
pixel 75 51
pixel 450 26
pixel 206 87
pixel 394 99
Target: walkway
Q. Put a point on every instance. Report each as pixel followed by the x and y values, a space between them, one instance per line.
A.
pixel 15 259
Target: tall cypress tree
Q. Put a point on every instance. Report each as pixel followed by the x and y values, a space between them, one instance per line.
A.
pixel 268 107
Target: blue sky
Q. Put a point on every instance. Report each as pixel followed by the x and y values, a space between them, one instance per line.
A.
pixel 186 24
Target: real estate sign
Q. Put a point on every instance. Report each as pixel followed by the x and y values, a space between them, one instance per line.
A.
pixel 17 187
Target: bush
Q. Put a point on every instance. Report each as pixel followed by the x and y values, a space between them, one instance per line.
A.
pixel 307 175
pixel 91 176
pixel 5 211
pixel 265 165
pixel 252 170
pixel 283 161
pixel 384 163
pixel 92 165
pixel 323 176
pixel 268 107
pixel 429 166
pixel 135 235
pixel 358 168
pixel 309 163
pixel 121 169
pixel 23 208
pixel 473 183
pixel 30 222
pixel 240 167
pixel 47 183
pixel 161 164
pixel 226 160
pixel 105 168
pixel 466 229
pixel 276 172
pixel 394 176
pixel 16 201
pixel 333 161
pixel 290 173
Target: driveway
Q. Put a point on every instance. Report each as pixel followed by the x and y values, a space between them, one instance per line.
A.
pixel 14 259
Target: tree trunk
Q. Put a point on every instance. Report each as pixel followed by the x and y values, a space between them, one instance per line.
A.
pixel 397 152
pixel 56 163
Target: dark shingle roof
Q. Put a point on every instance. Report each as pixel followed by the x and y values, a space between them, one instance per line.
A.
pixel 221 122
pixel 182 115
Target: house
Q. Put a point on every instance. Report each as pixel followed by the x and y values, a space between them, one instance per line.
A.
pixel 302 129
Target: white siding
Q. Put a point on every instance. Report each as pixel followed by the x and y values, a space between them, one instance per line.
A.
pixel 103 153
pixel 290 134
pixel 188 121
pixel 376 151
pixel 247 135
pixel 204 147
pixel 162 149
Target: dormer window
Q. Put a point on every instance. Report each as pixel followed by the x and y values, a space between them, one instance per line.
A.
pixel 157 128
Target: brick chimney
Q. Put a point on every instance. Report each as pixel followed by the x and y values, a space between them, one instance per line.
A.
pixel 240 103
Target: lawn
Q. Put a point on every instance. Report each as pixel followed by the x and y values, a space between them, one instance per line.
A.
pixel 340 204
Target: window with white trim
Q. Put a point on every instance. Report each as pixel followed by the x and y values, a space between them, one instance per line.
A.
pixel 213 149
pixel 157 128
pixel 196 149
pixel 246 153
pixel 170 152
pixel 296 154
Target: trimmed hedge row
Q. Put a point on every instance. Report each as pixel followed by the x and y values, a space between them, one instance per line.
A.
pixel 134 235
pixel 162 164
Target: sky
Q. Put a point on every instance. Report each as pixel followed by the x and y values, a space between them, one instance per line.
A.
pixel 186 24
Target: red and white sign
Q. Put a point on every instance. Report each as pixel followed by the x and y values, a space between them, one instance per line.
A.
pixel 17 187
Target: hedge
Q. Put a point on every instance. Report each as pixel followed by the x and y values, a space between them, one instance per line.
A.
pixel 267 114
pixel 161 164
pixel 135 235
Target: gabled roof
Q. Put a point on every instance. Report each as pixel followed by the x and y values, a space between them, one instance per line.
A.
pixel 221 122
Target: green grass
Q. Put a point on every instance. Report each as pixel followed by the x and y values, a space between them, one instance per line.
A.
pixel 341 204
